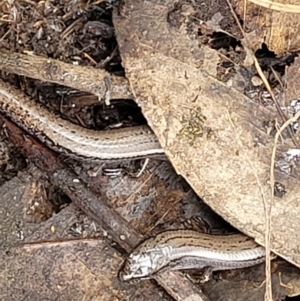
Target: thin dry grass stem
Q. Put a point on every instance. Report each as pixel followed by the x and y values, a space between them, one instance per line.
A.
pixel 267 85
pixel 267 207
pixel 138 189
pixel 272 167
pixel 277 78
pixel 277 136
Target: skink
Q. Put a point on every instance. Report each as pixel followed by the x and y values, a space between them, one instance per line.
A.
pixel 73 140
pixel 177 249
pixel 187 249
pixel 180 249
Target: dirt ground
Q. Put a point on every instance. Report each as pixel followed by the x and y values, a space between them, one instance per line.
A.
pixel 52 246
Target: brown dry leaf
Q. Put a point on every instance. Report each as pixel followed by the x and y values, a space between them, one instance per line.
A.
pixel 277 26
pixel 212 134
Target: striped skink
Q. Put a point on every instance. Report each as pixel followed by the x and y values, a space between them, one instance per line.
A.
pixel 175 249
pixel 187 249
pixel 73 140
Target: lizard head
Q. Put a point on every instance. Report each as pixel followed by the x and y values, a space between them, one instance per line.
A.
pixel 144 262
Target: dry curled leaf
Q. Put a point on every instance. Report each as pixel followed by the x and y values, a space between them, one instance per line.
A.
pixel 170 77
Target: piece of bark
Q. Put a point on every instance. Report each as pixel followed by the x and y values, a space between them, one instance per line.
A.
pixel 277 27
